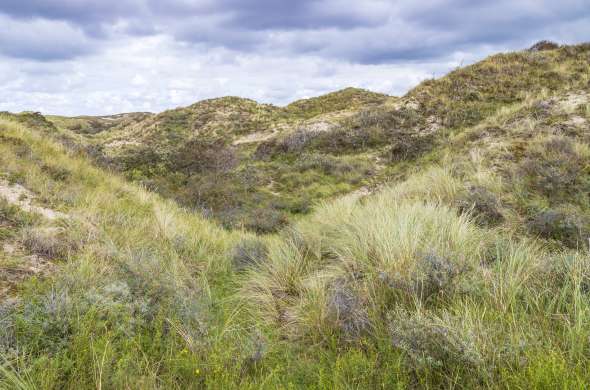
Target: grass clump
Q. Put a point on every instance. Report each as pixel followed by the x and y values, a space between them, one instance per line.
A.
pixel 49 242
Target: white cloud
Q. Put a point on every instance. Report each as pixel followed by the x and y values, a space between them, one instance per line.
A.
pixel 156 73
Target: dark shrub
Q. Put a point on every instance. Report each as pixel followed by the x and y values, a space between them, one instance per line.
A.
pixel 266 220
pixel 11 215
pixel 97 154
pixel 56 173
pixel 8 341
pixel 291 143
pixel 407 146
pixel 205 156
pixel 19 147
pixel 554 171
pixel 436 275
pixel 35 120
pixel 265 150
pixel 347 311
pixel 544 45
pixel 297 140
pixel 327 164
pixel 483 204
pixel 570 228
pixel 247 253
pixel 50 316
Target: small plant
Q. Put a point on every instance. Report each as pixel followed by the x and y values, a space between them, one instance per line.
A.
pixel 49 319
pixel 407 146
pixel 204 156
pixel 56 173
pixel 7 336
pixel 19 147
pixel 434 275
pixel 258 350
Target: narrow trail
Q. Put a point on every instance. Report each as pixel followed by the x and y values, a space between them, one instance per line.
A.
pixel 17 263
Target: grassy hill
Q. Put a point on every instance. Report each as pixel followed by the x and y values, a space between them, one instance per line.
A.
pixel 464 263
pixel 258 167
pixel 206 155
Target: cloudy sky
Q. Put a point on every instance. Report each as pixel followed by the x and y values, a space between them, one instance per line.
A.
pixel 107 56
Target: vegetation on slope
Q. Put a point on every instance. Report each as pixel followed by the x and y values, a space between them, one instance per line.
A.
pixel 471 270
pixel 259 166
pixel 204 155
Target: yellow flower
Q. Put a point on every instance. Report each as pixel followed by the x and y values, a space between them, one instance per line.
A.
pixel 197 372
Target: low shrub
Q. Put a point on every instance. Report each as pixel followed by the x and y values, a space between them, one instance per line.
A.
pixel 566 226
pixel 7 336
pixel 407 146
pixel 347 310
pixel 56 173
pixel 327 164
pixel 204 156
pixel 433 343
pixel 19 147
pixel 266 220
pixel 433 276
pixel 482 204
pixel 552 167
pixel 291 143
pixel 544 45
pixel 48 320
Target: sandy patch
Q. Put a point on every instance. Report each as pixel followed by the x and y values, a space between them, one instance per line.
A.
pixel 21 197
pixel 254 137
pixel 572 100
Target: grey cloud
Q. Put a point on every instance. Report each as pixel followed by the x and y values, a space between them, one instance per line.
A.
pixel 42 40
pixel 369 31
pixel 78 11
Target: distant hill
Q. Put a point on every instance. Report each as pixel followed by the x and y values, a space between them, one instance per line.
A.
pixel 258 166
